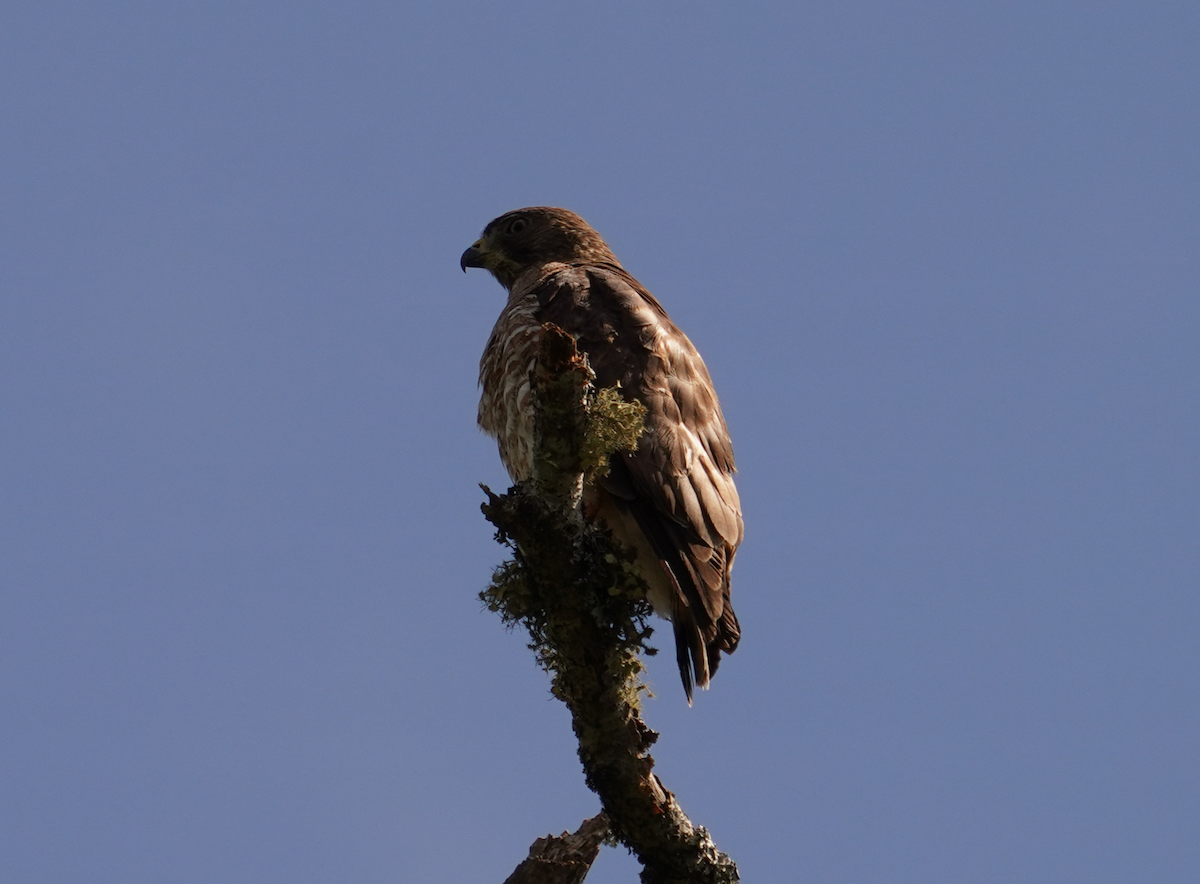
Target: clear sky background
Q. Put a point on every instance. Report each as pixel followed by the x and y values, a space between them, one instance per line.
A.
pixel 941 259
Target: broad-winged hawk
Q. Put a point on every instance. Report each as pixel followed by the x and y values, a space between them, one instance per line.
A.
pixel 672 500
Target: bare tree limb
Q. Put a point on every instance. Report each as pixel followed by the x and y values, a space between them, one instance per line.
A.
pixel 583 604
pixel 565 859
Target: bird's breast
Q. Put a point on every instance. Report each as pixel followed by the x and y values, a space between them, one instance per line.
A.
pixel 506 406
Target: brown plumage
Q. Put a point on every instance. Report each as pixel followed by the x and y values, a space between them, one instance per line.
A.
pixel 673 499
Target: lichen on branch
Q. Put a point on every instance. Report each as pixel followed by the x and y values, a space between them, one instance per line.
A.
pixel 579 596
pixel 577 430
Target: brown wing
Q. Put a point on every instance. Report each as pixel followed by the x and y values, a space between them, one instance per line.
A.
pixel 678 485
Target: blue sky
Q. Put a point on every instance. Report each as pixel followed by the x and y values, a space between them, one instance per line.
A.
pixel 941 260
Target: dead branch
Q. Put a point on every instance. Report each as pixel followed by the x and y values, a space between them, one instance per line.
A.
pixel 565 859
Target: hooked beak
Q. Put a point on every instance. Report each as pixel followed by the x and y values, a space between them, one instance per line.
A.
pixel 472 257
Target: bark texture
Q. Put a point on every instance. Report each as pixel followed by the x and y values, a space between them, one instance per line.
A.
pixel 565 859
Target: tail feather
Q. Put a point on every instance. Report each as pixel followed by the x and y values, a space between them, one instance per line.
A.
pixel 683 660
pixel 702 617
pixel 693 654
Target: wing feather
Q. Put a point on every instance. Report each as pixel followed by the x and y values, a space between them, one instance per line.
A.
pixel 678 486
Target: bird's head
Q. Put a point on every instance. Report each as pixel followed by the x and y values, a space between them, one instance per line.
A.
pixel 525 238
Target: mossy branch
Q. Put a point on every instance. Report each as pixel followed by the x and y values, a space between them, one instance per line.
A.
pixel 583 605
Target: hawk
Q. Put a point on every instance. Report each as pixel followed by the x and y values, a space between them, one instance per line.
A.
pixel 672 500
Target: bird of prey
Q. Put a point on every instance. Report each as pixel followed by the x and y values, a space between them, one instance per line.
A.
pixel 672 500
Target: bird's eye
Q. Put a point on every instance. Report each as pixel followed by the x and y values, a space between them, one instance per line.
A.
pixel 518 226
